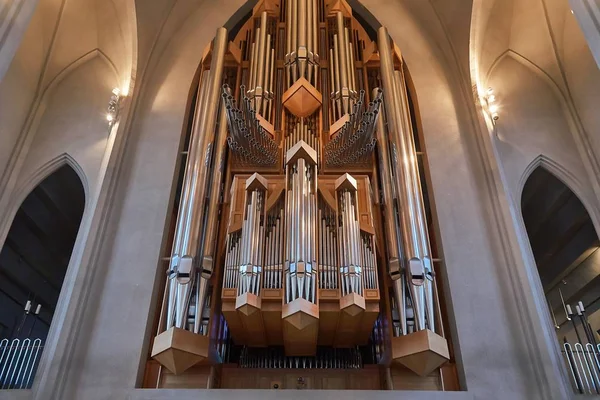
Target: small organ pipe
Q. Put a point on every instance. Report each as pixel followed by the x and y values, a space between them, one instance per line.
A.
pixel 343 68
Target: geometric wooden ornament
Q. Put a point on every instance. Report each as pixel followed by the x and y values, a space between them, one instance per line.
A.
pixel 422 351
pixel 302 99
pixel 352 304
pixel 300 327
pixel 178 349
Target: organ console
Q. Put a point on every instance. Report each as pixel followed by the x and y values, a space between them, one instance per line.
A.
pixel 301 238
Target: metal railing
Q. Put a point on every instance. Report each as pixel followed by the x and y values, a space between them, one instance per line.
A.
pixel 583 362
pixel 18 362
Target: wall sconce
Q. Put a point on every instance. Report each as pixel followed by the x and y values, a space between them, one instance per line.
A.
pixel 113 106
pixel 490 101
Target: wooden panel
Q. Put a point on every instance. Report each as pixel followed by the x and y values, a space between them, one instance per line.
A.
pixel 151 374
pixel 271 314
pixel 311 379
pixel 405 379
pixel 193 378
pixel 238 195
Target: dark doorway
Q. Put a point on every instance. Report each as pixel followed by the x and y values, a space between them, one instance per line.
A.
pixel 33 263
pixel 36 253
pixel 565 247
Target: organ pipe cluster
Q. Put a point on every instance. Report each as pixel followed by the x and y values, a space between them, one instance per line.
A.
pixel 193 247
pixel 350 243
pixel 248 139
pixel 262 62
pixel 273 270
pixel 301 129
pixel 355 142
pixel 409 250
pixel 299 261
pixel 301 211
pixel 253 232
pixel 301 45
pixel 342 71
pixel 328 270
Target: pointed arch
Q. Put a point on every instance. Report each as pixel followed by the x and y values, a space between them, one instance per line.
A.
pixel 570 180
pixel 31 182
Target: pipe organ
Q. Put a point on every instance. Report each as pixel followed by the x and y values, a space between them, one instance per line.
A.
pixel 301 235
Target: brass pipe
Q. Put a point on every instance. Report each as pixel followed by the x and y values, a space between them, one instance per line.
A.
pixel 260 72
pixel 254 63
pixel 251 73
pixel 309 27
pixel 302 30
pixel 342 62
pixel 294 54
pixel 315 19
pixel 265 87
pixel 333 86
pixel 338 93
pixel 352 68
pixel 288 27
pixel 270 87
pixel 309 40
pixel 351 87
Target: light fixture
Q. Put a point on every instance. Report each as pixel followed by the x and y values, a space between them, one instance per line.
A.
pixel 490 104
pixel 113 106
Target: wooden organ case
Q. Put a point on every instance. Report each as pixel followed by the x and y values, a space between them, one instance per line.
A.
pixel 301 253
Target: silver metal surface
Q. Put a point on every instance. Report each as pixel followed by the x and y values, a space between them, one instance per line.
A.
pixel 356 140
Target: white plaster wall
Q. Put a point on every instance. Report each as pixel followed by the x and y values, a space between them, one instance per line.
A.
pixel 583 77
pixel 73 121
pixel 19 86
pixel 532 123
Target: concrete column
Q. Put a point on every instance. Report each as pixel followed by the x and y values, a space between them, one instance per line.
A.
pixel 587 13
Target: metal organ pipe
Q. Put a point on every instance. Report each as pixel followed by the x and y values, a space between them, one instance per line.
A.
pixel 301 189
pixel 262 59
pixel 190 216
pixel 350 241
pixel 301 58
pixel 417 257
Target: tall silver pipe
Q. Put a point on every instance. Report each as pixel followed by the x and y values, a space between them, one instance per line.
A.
pixel 414 234
pixel 191 211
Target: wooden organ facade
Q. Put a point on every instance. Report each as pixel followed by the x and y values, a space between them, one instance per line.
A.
pixel 300 242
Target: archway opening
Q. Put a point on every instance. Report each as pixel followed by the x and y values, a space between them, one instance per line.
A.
pixel 33 264
pixel 565 246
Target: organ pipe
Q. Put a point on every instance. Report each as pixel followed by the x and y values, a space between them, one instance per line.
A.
pixel 342 66
pixel 416 263
pixel 253 233
pixel 301 58
pixel 184 270
pixel 260 90
pixel 355 142
pixel 351 261
pixel 299 260
pixel 301 207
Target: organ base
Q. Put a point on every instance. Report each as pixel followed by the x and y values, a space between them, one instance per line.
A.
pixel 179 349
pixel 422 352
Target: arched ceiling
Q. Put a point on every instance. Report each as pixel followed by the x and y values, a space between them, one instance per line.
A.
pixel 533 29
